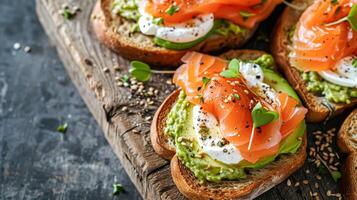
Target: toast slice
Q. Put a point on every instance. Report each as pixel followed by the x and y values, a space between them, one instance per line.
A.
pixel 114 32
pixel 319 107
pixel 257 181
pixel 347 141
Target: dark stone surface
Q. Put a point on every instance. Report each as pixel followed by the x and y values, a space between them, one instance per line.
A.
pixel 36 95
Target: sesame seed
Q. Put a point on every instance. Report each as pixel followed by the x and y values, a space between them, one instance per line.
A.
pixel 305 182
pixel 288 183
pixel 106 69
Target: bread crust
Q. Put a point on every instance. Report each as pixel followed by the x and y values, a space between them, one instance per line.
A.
pixel 256 183
pixel 347 142
pixel 114 33
pixel 319 107
pixel 157 135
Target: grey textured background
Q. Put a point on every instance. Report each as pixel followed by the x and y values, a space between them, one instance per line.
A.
pixel 36 95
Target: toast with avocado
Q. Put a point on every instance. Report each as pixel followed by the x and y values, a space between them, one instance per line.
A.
pixel 347 142
pixel 233 130
pixel 313 50
pixel 161 32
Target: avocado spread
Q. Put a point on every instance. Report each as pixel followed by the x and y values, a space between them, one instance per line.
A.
pixel 129 10
pixel 179 128
pixel 332 92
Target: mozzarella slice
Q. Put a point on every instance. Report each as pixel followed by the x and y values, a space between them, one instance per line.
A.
pixel 227 154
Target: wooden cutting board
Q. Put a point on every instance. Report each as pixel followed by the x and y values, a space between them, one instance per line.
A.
pixel 94 70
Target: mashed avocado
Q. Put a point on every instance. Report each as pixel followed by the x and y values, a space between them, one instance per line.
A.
pixel 226 27
pixel 332 92
pixel 127 9
pixel 179 129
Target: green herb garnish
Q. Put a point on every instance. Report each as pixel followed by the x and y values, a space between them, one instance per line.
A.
pixel 336 175
pixel 245 14
pixel 351 18
pixel 172 10
pixel 354 63
pixel 233 69
pixel 125 78
pixel 62 128
pixel 334 2
pixel 140 71
pixel 117 188
pixel 68 14
pixel 205 81
pixel 158 21
pixel 262 116
pixel 236 96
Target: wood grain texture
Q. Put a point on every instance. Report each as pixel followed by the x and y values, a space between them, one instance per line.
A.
pixel 86 61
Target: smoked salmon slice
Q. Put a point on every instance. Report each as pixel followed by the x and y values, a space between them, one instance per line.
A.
pixel 318 46
pixel 231 102
pixel 245 13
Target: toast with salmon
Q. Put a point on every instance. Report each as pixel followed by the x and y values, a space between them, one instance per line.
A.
pixel 257 180
pixel 120 33
pixel 320 108
pixel 347 142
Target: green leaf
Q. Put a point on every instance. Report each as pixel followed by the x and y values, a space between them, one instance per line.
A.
pixel 234 65
pixel 125 78
pixel 354 63
pixel 62 128
pixel 246 14
pixel 158 21
pixel 336 175
pixel 229 74
pixel 352 17
pixel 236 96
pixel 172 10
pixel 262 116
pixel 117 188
pixel 140 71
pixel 233 69
pixel 205 81
pixel 68 14
pixel 334 2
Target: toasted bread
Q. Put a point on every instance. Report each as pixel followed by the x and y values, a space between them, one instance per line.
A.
pixel 319 107
pixel 115 32
pixel 256 183
pixel 347 141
